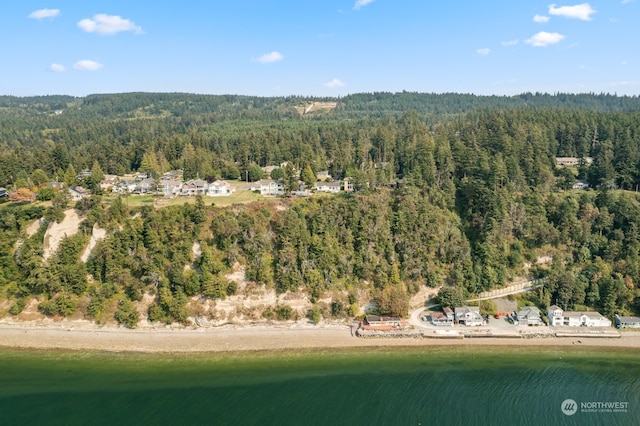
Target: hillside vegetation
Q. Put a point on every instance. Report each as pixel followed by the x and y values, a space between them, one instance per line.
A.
pixel 456 190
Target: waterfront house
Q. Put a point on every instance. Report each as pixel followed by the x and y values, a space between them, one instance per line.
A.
pixel 558 317
pixel 469 316
pixel 449 313
pixel 440 319
pixel 554 313
pixel 529 315
pixel 627 322
pixel 377 321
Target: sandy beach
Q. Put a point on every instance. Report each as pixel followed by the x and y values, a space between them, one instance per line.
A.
pixel 73 335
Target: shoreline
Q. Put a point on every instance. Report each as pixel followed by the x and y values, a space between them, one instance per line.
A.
pixel 76 336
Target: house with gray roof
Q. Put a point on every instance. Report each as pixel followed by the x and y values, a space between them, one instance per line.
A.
pixel 529 315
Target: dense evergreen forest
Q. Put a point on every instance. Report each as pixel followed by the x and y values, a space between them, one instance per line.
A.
pixel 451 189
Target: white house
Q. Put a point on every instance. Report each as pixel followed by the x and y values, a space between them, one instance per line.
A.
pixel 558 317
pixel 169 187
pixel 219 188
pixel 469 316
pixel 529 315
pixel 580 184
pixel 333 187
pixel 271 187
pixel 555 315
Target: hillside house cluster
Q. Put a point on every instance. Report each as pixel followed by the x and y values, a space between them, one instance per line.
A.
pixel 169 185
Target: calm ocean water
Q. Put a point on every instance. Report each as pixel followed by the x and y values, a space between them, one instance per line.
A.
pixel 373 386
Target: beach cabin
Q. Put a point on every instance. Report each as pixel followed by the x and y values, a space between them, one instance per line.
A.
pixel 469 316
pixel 440 319
pixel 377 321
pixel 529 315
pixel 627 322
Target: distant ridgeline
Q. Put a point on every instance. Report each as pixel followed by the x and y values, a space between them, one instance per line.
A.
pixel 355 105
pixel 448 189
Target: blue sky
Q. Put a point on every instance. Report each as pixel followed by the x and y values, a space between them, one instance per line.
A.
pixel 319 47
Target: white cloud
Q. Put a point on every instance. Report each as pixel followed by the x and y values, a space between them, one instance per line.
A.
pixel 624 83
pixel 627 1
pixel 334 84
pixel 541 19
pixel 579 11
pixel 510 42
pixel 108 24
pixel 57 68
pixel 483 52
pixel 269 58
pixel 361 3
pixel 544 38
pixel 44 13
pixel 87 65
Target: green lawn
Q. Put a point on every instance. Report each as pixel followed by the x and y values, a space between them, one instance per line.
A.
pixel 241 195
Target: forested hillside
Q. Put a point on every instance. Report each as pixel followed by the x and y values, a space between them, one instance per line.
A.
pixel 451 189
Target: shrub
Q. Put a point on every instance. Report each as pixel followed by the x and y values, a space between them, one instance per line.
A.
pixel 17 307
pixel 127 314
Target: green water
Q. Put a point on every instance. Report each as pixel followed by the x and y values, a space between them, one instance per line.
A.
pixel 406 386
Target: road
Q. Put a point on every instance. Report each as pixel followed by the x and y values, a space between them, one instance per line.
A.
pixel 415 317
